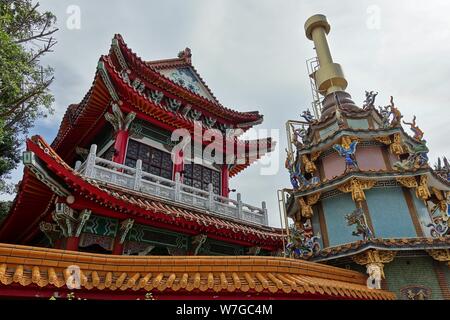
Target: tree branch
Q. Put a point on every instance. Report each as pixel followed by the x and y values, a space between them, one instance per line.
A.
pixel 40 35
pixel 13 107
pixel 50 43
pixel 18 25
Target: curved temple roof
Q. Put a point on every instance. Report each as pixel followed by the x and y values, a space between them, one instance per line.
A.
pixel 82 121
pixel 34 199
pixel 128 277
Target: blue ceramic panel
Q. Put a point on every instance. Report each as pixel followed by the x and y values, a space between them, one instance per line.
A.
pixel 328 130
pixel 389 213
pixel 423 215
pixel 316 225
pixel 335 209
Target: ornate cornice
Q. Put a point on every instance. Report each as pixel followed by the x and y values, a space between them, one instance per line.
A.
pixel 442 255
pixel 380 244
pixel 374 256
pixel 360 175
pixel 375 134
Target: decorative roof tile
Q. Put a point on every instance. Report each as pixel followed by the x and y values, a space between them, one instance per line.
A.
pixel 239 275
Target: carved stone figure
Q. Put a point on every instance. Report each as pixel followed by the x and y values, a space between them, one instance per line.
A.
pixel 358 218
pixel 307 115
pixel 348 150
pixel 297 178
pixel 375 272
pixel 396 113
pixel 289 164
pixel 305 209
pixel 301 137
pixel 310 167
pixel 418 133
pixel 418 157
pixel 385 114
pixel 302 242
pixel 370 99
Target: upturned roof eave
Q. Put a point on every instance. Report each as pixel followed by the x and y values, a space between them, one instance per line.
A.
pixel 138 65
pixel 267 237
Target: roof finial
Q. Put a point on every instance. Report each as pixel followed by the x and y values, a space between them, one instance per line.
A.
pixel 329 77
pixel 185 54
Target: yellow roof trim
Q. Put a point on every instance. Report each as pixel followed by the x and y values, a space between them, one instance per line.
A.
pixel 44 267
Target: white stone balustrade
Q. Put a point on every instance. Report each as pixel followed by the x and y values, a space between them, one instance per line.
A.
pixel 136 179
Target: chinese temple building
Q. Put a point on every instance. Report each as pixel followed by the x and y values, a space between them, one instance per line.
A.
pixel 364 196
pixel 111 209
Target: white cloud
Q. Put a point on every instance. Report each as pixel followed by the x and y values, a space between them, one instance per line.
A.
pixel 252 54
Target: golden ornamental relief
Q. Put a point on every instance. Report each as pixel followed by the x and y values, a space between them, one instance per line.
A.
pixel 384 139
pixel 312 199
pixel 408 182
pixel 441 198
pixel 347 141
pixel 374 256
pixel 396 146
pixel 315 155
pixel 442 255
pixel 422 191
pixel 357 187
pixel 310 167
pixel 306 210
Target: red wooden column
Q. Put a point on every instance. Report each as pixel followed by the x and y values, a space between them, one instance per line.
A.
pixel 58 244
pixel 178 165
pixel 72 243
pixel 224 179
pixel 120 146
pixel 118 247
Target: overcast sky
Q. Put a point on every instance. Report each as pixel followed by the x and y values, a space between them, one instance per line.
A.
pixel 252 55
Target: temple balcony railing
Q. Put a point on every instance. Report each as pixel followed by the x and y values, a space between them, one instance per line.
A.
pixel 138 180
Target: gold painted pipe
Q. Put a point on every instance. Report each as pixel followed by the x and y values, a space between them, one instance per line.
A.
pixel 329 77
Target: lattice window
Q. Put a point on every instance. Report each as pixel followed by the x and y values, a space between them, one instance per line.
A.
pixel 154 161
pixel 200 177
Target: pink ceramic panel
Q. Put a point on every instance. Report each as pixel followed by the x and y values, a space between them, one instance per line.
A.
pixel 370 158
pixel 333 165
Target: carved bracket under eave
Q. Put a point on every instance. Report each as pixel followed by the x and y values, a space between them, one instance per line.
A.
pixel 68 221
pixel 441 255
pixel 305 206
pixel 118 120
pixel 254 251
pixel 374 261
pixel 357 187
pixel 397 147
pixel 442 200
pixel 422 190
pixel 51 231
pixel 309 165
pixel 124 229
pixel 198 241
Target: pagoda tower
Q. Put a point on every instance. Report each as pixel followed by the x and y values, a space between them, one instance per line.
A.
pixel 363 194
pixel 118 146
